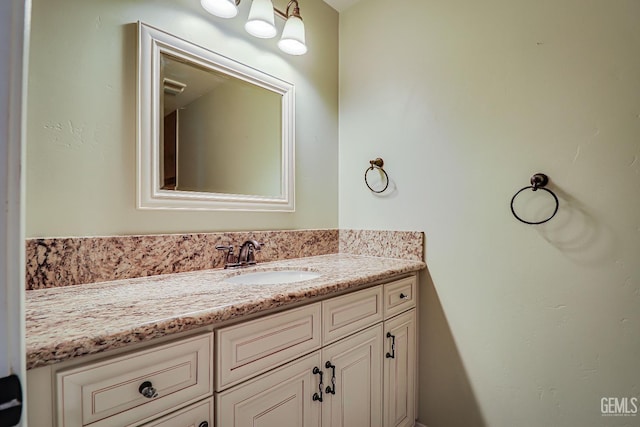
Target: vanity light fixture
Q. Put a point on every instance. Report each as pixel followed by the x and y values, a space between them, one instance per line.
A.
pixel 293 40
pixel 260 22
pixel 221 8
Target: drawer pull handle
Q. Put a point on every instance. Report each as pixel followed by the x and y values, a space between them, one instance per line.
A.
pixel 146 389
pixel 403 296
pixel 316 396
pixel 332 389
pixel 203 424
pixel 392 355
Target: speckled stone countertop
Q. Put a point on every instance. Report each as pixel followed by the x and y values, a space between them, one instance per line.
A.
pixel 63 323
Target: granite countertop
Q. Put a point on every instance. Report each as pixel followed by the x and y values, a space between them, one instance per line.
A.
pixel 67 322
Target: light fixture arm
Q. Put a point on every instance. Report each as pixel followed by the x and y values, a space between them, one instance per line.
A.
pixel 280 13
pixel 296 10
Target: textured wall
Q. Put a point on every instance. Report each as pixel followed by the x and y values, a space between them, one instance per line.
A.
pixel 81 142
pixel 521 325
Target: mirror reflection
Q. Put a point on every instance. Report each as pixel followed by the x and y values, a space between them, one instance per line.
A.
pixel 220 134
pixel 213 133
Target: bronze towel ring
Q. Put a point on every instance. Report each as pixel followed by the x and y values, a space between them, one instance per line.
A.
pixel 538 182
pixel 378 163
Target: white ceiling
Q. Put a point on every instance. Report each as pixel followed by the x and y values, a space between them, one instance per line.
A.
pixel 341 5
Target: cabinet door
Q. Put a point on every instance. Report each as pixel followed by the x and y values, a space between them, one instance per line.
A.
pixel 280 398
pixel 357 383
pixel 400 370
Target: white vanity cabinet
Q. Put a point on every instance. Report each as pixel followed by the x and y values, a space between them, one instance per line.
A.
pixel 345 361
pixel 375 369
pixel 360 374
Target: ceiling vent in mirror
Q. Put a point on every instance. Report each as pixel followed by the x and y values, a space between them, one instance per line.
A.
pixel 173 87
pixel 260 22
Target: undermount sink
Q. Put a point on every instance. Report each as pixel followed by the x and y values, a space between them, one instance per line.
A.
pixel 272 277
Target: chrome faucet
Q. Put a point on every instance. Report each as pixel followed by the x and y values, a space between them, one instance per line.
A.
pixel 245 257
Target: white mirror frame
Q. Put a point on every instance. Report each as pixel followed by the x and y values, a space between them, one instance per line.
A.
pixel 152 43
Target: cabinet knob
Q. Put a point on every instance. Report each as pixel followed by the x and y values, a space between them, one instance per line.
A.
pixel 146 389
pixel 403 296
pixel 203 424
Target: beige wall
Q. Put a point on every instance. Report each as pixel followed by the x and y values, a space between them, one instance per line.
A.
pixel 81 121
pixel 465 100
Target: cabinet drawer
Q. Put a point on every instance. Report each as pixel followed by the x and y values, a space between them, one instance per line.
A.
pixel 399 296
pixel 349 313
pixel 190 416
pixel 108 393
pixel 256 346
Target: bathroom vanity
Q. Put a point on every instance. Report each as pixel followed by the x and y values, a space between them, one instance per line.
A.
pixel 335 350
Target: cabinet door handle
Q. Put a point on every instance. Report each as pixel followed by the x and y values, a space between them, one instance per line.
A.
pixel 392 355
pixel 316 396
pixel 203 424
pixel 146 389
pixel 403 296
pixel 332 389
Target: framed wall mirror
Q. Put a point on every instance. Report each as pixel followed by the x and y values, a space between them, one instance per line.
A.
pixel 213 134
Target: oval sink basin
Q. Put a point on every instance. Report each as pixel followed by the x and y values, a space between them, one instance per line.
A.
pixel 272 277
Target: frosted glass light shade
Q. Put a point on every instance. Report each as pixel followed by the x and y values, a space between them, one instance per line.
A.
pixel 293 39
pixel 221 8
pixel 261 20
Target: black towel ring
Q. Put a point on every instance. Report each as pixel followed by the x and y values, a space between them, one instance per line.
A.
pixel 376 164
pixel 538 182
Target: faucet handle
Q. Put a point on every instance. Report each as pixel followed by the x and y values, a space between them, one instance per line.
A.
pixel 229 259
